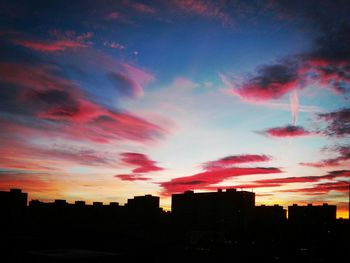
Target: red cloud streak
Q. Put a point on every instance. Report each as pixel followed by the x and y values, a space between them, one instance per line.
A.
pixel 276 182
pixel 321 189
pixel 208 178
pixel 302 179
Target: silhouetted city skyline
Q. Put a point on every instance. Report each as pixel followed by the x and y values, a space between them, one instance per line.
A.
pixel 201 225
pixel 187 208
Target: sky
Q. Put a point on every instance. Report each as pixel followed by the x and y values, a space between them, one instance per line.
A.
pixel 105 100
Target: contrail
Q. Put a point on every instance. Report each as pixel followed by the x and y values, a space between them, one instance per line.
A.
pixel 294 106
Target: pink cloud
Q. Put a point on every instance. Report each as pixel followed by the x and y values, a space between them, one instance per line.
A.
pixel 143 165
pixel 287 131
pixel 48 46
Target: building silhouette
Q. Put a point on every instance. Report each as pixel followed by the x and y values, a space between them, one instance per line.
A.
pixel 143 208
pixel 312 214
pixel 227 208
pixel 13 207
pixel 270 215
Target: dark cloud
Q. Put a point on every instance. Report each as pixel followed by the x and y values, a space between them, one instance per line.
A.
pixel 269 82
pixel 327 62
pixel 58 102
pixel 311 15
pixel 125 85
pixel 333 46
pixel 338 123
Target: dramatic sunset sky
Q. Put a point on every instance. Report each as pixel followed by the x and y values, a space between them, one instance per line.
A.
pixel 104 100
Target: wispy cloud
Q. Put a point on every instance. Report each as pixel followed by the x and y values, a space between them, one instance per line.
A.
pixel 321 189
pixel 235 159
pixel 114 45
pixel 203 8
pixel 60 41
pixel 343 155
pixel 140 7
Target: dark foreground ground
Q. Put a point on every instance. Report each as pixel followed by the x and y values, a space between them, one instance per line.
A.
pixel 166 242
